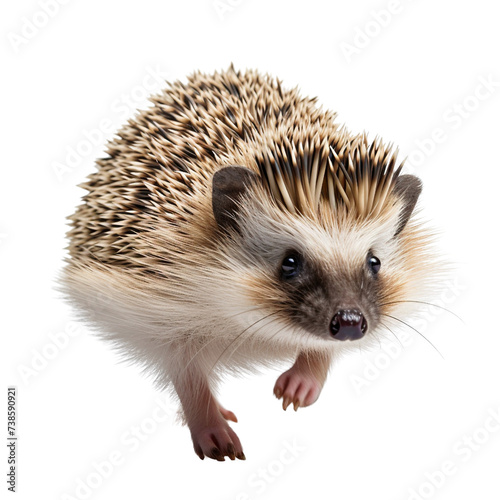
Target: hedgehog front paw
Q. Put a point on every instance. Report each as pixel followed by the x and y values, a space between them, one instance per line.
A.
pixel 297 387
pixel 217 441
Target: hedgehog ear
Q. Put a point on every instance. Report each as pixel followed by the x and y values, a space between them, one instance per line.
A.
pixel 228 186
pixel 408 189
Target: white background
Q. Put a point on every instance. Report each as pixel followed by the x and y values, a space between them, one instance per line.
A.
pixel 383 425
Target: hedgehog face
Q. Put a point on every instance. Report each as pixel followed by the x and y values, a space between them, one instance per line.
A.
pixel 332 304
pixel 328 277
pixel 328 280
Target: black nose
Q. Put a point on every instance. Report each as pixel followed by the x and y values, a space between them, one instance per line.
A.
pixel 348 324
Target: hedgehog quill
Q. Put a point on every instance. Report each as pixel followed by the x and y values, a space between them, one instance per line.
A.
pixel 234 225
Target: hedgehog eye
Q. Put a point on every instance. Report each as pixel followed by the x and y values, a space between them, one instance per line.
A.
pixel 290 266
pixel 374 264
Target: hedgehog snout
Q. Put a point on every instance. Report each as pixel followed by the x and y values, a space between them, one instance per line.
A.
pixel 348 324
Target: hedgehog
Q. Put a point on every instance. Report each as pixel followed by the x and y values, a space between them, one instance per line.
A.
pixel 233 225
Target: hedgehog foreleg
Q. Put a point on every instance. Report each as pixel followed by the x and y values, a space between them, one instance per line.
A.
pixel 302 383
pixel 206 418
